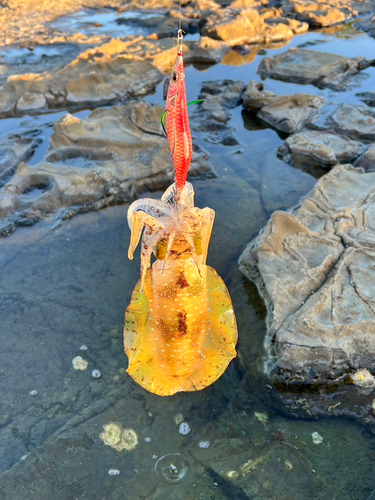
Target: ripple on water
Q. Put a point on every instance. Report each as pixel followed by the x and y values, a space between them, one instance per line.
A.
pixel 172 468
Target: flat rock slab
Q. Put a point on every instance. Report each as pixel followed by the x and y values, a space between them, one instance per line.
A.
pixel 247 26
pixel 315 270
pixel 320 14
pixel 86 80
pixel 357 122
pixel 287 113
pixel 312 148
pixel 161 53
pixel 310 66
pixel 103 159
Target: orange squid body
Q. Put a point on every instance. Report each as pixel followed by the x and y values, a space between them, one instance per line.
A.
pixel 177 122
pixel 180 329
pixel 180 334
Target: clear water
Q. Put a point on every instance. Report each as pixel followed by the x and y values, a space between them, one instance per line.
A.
pixel 105 22
pixel 63 293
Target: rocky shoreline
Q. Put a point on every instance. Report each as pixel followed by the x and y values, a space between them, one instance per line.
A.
pixel 285 114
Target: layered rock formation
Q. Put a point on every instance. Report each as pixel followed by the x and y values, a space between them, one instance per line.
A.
pixel 108 157
pixel 321 69
pixel 315 270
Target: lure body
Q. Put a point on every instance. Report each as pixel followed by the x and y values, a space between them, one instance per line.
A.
pixel 180 329
pixel 176 120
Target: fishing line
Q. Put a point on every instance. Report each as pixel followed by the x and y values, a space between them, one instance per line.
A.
pixel 179 24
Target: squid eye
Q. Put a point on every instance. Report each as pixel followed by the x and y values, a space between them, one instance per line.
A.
pixel 175 76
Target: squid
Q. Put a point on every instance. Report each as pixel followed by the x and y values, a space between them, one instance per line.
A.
pixel 180 329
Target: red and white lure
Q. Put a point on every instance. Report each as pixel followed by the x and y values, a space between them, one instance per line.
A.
pixel 180 329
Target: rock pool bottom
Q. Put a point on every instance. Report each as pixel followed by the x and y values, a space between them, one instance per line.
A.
pixel 63 294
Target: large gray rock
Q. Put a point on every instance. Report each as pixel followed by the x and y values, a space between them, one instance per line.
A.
pixel 367 161
pixel 86 80
pixel 310 66
pixel 288 113
pixel 315 270
pixel 311 148
pixel 105 158
pixel 212 115
pixel 357 122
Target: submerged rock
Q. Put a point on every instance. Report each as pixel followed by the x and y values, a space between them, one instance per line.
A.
pixel 211 116
pixel 286 113
pixel 108 157
pixel 314 268
pixel 304 66
pixel 312 148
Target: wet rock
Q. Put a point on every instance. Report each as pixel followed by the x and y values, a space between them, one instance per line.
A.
pixel 294 25
pixel 286 113
pixel 246 474
pixel 309 66
pixel 87 79
pixel 367 97
pixel 367 25
pixel 319 14
pixel 162 53
pixel 367 160
pixel 211 116
pixel 312 148
pixel 105 158
pixel 13 151
pixel 357 122
pixel 314 268
pixel 245 27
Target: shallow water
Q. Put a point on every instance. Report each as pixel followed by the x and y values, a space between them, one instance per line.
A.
pixel 105 22
pixel 63 293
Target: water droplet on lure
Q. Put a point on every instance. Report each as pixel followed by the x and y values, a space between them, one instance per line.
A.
pixel 96 374
pixel 33 393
